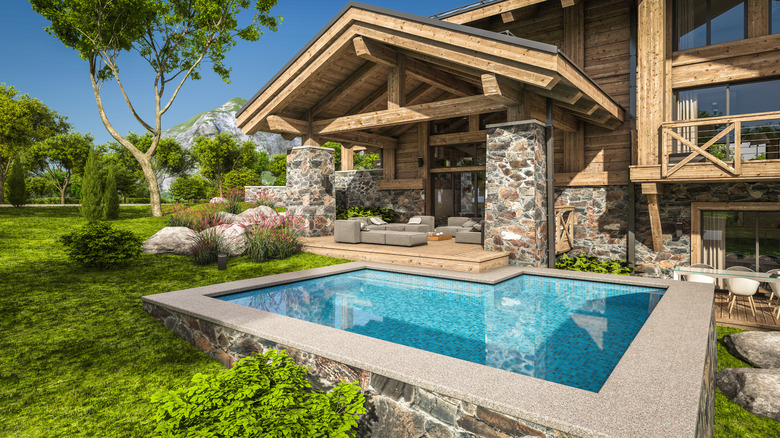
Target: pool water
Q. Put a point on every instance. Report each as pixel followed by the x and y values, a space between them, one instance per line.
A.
pixel 571 332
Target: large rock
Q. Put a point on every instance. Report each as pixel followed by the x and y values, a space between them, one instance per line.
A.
pixel 760 349
pixel 755 389
pixel 262 210
pixel 234 237
pixel 170 240
pixel 228 218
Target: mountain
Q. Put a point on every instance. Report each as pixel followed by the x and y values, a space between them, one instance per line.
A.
pixel 223 119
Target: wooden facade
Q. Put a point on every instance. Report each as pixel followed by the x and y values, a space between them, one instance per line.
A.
pixel 606 70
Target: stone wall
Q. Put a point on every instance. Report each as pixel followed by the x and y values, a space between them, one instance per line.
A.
pixel 358 188
pixel 705 425
pixel 515 185
pixel 309 192
pixel 395 409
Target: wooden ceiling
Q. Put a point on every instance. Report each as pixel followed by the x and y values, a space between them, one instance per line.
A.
pixel 372 71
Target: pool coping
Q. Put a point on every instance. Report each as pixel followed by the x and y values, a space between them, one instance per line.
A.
pixel 653 391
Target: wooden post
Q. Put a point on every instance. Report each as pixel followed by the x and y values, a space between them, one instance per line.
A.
pixel 652 83
pixel 388 164
pixel 757 18
pixel 738 147
pixel 652 190
pixel 396 84
pixel 518 113
pixel 574 149
pixel 308 138
pixel 347 158
pixel 574 33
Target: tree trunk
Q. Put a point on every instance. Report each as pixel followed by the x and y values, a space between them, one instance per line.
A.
pixel 154 188
pixel 2 188
pixel 62 195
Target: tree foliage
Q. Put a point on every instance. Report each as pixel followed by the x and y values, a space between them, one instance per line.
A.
pixel 17 189
pixel 220 154
pixel 174 37
pixel 278 168
pixel 189 187
pixel 171 158
pixel 23 122
pixel 92 189
pixel 110 197
pixel 242 177
pixel 59 157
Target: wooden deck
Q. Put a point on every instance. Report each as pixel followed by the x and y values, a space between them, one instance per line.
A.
pixel 742 317
pixel 445 254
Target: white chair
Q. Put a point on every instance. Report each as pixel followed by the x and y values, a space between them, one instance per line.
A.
pixel 774 287
pixel 742 287
pixel 700 278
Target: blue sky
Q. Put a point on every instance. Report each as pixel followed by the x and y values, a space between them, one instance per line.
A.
pixel 40 65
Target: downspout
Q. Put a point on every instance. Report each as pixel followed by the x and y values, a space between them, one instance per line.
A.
pixel 631 238
pixel 551 231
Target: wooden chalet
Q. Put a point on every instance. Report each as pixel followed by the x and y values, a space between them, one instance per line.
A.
pixel 662 117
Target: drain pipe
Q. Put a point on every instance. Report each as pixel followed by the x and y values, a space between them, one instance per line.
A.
pixel 551 231
pixel 631 238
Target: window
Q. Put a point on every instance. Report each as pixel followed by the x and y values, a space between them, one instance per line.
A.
pixel 700 23
pixel 760 139
pixel 749 238
pixel 774 16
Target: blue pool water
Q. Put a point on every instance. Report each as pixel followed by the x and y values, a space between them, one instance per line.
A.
pixel 566 331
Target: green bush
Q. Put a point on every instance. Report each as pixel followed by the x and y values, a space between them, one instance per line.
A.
pixel 262 396
pixel 387 214
pixel 586 263
pixel 91 189
pixel 15 186
pixel 52 200
pixel 137 201
pixel 189 187
pixel 99 245
pixel 111 197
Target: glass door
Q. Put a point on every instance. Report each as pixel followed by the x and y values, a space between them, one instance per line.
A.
pixel 741 238
pixel 458 194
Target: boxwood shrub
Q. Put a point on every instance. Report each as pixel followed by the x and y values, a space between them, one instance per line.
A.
pixel 587 263
pixel 266 395
pixel 99 245
pixel 387 214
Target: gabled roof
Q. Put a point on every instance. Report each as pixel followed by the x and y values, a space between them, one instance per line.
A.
pixel 331 59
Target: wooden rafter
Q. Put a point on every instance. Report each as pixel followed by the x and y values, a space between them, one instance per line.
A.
pixel 396 84
pixel 569 3
pixel 501 90
pixel 300 128
pixel 354 80
pixel 381 54
pixel 519 14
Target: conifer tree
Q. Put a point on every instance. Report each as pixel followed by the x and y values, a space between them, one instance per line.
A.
pixel 17 189
pixel 91 191
pixel 111 197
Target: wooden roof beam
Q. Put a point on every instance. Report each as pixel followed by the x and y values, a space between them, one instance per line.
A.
pixel 569 3
pixel 444 109
pixel 382 54
pixel 490 10
pixel 519 14
pixel 501 90
pixel 345 88
pixel 299 128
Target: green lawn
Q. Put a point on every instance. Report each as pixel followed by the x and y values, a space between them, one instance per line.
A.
pixel 80 357
pixel 731 421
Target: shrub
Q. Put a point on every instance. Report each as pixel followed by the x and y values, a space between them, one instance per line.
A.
pixel 273 238
pixel 264 197
pixel 15 185
pixel 265 395
pixel 189 187
pixel 91 190
pixel 99 245
pixel 198 218
pixel 206 245
pixel 387 214
pixel 586 263
pixel 242 177
pixel 111 197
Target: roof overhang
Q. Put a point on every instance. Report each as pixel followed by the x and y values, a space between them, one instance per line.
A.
pixel 478 67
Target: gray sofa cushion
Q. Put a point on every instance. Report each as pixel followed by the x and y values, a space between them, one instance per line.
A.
pixel 449 230
pixel 374 237
pixel 468 237
pixel 456 221
pixel 346 232
pixel 406 238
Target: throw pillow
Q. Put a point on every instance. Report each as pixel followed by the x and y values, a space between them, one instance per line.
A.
pixel 363 226
pixel 415 221
pixel 377 220
pixel 468 224
pixel 477 228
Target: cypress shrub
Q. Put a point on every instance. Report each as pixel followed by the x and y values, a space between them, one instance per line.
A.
pixel 91 192
pixel 111 197
pixel 16 187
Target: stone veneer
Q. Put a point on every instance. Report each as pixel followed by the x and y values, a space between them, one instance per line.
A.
pixel 515 184
pixel 357 188
pixel 309 192
pixel 705 426
pixel 395 409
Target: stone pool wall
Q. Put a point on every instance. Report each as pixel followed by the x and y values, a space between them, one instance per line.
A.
pixel 705 426
pixel 395 409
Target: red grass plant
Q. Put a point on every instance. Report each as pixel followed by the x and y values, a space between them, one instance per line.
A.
pixel 276 237
pixel 197 218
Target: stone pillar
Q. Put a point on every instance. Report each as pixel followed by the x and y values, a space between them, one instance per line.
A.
pixel 310 194
pixel 516 183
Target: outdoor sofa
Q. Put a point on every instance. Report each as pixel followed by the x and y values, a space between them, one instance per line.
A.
pixel 465 230
pixel 374 230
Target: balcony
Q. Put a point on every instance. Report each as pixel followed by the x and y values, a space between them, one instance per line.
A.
pixel 728 148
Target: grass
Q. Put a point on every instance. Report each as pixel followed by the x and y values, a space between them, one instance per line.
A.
pixel 731 420
pixel 80 357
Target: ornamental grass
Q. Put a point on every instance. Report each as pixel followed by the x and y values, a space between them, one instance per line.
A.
pixel 273 238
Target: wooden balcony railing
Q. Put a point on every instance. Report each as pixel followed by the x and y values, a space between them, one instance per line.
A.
pixel 691 140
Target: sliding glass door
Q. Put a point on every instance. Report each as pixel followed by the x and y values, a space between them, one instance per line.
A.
pixel 458 194
pixel 741 238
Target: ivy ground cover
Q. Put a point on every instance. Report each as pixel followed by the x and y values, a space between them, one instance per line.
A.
pixel 80 357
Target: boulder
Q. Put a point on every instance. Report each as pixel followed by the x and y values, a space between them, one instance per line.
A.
pixel 170 240
pixel 234 235
pixel 218 200
pixel 228 218
pixel 755 389
pixel 262 210
pixel 760 349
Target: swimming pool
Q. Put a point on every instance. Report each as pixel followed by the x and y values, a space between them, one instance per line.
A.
pixel 663 385
pixel 566 331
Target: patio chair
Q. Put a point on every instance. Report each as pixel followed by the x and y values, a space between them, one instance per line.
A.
pixel 742 287
pixel 774 288
pixel 700 278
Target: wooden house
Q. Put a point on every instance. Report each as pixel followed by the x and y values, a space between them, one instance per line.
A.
pixel 653 126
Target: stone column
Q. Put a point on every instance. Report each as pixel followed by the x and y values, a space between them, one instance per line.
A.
pixel 310 194
pixel 515 183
